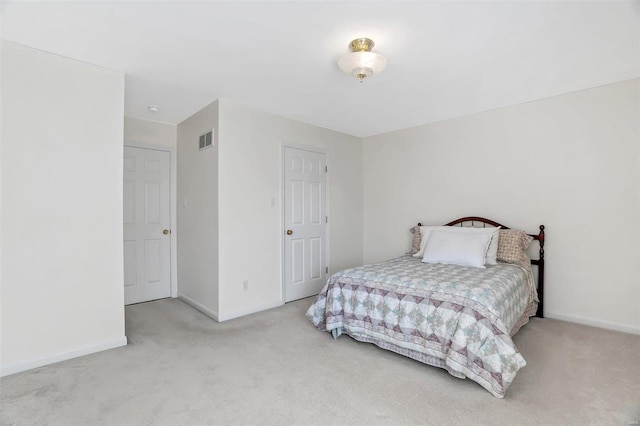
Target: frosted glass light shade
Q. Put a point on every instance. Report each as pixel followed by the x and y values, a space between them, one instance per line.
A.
pixel 367 63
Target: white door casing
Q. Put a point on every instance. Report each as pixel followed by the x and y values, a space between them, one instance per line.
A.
pixel 305 220
pixel 147 218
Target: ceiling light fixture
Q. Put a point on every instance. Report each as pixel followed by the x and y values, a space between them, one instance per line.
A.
pixel 154 108
pixel 362 62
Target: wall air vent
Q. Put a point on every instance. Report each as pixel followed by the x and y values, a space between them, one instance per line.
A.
pixel 205 141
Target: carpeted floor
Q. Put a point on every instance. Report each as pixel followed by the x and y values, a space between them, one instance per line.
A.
pixel 274 368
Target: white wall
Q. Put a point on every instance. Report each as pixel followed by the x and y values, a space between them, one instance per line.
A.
pixel 198 212
pixel 570 162
pixel 250 173
pixel 150 132
pixel 62 266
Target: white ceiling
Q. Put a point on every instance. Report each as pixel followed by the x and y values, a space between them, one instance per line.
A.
pixel 445 59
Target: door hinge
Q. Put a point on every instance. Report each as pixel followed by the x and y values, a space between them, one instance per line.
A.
pixel 326 269
pixel 326 219
pixel 326 169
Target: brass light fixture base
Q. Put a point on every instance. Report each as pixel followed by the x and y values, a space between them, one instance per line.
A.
pixel 361 45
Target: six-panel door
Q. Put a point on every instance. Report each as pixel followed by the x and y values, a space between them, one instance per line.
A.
pixel 147 251
pixel 305 223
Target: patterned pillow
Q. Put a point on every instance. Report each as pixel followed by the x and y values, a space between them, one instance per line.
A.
pixel 512 247
pixel 417 239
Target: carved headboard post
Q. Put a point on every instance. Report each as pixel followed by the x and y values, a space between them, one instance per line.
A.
pixel 541 239
pixel 540 311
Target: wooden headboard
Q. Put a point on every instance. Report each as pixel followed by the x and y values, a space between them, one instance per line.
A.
pixel 539 262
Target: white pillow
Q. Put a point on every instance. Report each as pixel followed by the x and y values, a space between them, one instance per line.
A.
pixel 425 231
pixel 466 249
pixel 491 257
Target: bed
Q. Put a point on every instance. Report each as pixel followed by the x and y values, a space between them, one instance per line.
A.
pixel 457 317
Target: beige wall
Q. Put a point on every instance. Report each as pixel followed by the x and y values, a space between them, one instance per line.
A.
pixel 251 146
pixel 149 132
pixel 62 291
pixel 198 212
pixel 571 162
pixel 228 231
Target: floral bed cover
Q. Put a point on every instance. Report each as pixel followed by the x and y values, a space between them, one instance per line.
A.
pixel 455 317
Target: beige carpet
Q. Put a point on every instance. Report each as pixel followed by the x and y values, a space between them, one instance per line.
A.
pixel 274 368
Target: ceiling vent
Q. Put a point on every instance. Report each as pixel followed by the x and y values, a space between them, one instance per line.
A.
pixel 205 141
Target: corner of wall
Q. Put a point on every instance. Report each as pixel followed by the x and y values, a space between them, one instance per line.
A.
pixel 197 211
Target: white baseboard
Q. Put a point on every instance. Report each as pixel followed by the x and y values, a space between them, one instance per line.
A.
pixel 243 312
pixel 189 301
pixel 227 316
pixel 6 370
pixel 609 325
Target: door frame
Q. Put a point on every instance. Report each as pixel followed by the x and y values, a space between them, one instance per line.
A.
pixel 173 246
pixel 318 150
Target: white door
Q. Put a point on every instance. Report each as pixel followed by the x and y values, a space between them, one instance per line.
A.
pixel 147 236
pixel 304 223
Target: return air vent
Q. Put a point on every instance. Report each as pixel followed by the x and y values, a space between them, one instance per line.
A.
pixel 205 141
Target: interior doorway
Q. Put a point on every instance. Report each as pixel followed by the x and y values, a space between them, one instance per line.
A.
pixel 147 224
pixel 305 223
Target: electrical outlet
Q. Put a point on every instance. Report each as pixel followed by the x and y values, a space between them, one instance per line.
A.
pixel 245 285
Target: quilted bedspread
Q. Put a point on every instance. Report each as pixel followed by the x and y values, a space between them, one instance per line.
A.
pixel 454 317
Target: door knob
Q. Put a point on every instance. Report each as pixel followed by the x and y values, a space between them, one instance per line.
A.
pixel 289 232
pixel 166 231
